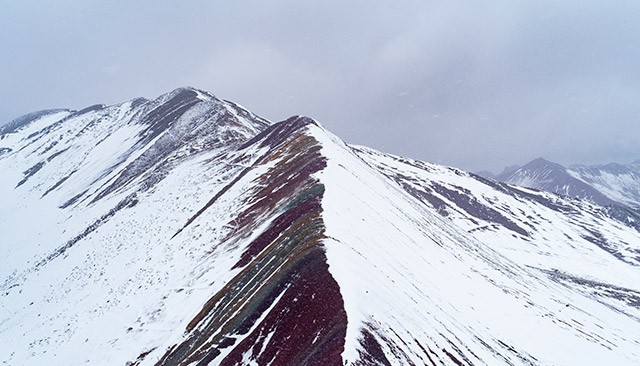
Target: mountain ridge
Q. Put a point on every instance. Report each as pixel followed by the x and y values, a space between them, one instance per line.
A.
pixel 610 184
pixel 186 230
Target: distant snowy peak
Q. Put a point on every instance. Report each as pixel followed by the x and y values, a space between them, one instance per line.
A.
pixel 552 177
pixel 610 184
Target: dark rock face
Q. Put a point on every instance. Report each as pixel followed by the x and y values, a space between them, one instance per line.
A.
pixel 465 200
pixel 284 293
pixel 371 353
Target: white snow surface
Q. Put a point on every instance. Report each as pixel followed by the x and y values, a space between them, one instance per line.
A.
pixel 127 287
pixel 432 285
pixel 410 274
pixel 623 187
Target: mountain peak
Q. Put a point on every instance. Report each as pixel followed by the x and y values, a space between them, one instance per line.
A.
pixel 187 92
pixel 606 184
pixel 552 177
pixel 542 162
pixel 186 230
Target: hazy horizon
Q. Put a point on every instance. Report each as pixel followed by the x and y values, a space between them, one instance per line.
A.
pixel 480 87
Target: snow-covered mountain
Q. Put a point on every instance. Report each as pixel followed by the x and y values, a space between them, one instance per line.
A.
pixel 188 231
pixel 619 182
pixel 611 184
pixel 552 177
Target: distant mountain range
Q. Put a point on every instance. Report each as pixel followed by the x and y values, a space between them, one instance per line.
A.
pixel 605 185
pixel 186 230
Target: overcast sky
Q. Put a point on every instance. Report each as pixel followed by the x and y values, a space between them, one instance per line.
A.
pixel 474 84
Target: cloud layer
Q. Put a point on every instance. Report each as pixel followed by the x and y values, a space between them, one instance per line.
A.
pixel 479 85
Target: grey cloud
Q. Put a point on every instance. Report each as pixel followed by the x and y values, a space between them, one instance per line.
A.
pixel 479 85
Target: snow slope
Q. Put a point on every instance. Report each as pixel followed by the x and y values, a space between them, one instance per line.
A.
pixel 619 182
pixel 517 274
pixel 188 231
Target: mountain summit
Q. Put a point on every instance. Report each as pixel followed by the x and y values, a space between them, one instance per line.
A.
pixel 186 230
pixel 608 185
pixel 548 176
